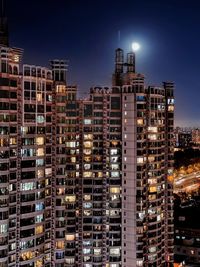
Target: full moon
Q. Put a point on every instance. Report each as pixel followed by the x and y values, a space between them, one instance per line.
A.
pixel 135 46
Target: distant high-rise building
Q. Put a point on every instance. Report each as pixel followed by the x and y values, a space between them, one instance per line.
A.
pixel 4 40
pixel 84 182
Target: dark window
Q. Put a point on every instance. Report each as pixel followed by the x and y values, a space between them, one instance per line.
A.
pixel 115 103
pixel 87 110
pixel 27 85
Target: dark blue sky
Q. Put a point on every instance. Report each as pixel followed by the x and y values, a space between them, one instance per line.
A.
pixel 85 32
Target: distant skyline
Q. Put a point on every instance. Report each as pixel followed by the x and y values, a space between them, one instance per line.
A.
pixel 86 34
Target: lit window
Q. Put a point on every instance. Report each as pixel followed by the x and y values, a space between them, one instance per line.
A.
pixel 39 97
pixel 39 218
pixel 87 197
pixel 40 119
pixel 87 121
pixel 152 189
pixel 113 151
pixel 87 174
pixel 3 228
pixel 114 174
pixel 87 166
pixel 87 144
pixel 60 245
pixel 70 237
pixel 115 251
pixel 151 159
pixel 140 121
pixel 48 172
pixel 27 255
pixel 71 144
pixel 39 206
pixel 70 199
pixel 88 136
pixel 39 229
pixel 114 190
pixel 87 205
pixel 97 251
pixel 152 137
pixel 114 167
pixel 16 58
pixel 40 173
pixel 13 141
pixel 60 89
pixel 39 263
pixel 86 251
pixel 40 140
pixel 139 263
pixel 40 151
pixel 152 249
pixel 87 212
pixel 39 162
pixel 140 160
pixel 153 129
pixel 114 197
pixel 152 181
pixel 28 186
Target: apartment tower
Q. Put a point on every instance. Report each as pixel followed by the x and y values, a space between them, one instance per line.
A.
pixel 83 182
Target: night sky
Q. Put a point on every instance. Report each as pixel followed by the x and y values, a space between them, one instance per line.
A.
pixel 85 32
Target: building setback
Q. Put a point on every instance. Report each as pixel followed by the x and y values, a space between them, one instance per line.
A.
pixel 84 182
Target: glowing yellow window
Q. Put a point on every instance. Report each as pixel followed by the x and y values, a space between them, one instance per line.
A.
pixel 87 197
pixel 100 174
pixel 87 174
pixel 151 158
pixel 39 229
pixel 39 263
pixel 40 151
pixel 152 189
pixel 13 141
pixel 88 136
pixel 73 159
pixel 39 97
pixel 170 108
pixel 69 237
pixel 70 198
pixel 40 140
pixel 27 255
pixel 140 121
pixel 40 173
pixel 60 88
pixel 114 190
pixel 60 244
pixel 87 144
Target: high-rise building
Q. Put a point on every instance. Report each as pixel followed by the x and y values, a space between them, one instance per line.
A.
pixel 126 159
pixel 84 182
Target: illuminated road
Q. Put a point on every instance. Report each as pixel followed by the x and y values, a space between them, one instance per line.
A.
pixel 187 183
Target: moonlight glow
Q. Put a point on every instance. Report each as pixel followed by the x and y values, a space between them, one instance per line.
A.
pixel 135 46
